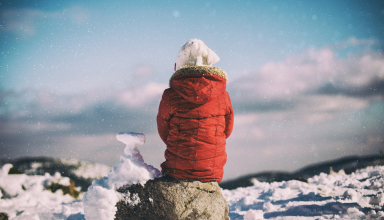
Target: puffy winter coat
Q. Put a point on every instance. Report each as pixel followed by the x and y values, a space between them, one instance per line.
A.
pixel 195 118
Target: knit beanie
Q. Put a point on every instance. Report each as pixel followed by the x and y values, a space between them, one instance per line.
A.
pixel 195 53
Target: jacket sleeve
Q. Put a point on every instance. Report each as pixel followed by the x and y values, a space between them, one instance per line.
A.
pixel 229 118
pixel 164 117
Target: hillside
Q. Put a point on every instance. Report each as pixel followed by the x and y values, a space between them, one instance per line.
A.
pixel 81 172
pixel 348 164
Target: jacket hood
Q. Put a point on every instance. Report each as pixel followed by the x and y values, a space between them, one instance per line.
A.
pixel 199 84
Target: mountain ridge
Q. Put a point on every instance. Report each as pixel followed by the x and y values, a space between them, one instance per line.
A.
pixel 349 164
pixel 83 173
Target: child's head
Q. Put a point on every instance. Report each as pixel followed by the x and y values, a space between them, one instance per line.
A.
pixel 195 53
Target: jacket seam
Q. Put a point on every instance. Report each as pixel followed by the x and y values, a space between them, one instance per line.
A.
pixel 197 137
pixel 169 112
pixel 217 123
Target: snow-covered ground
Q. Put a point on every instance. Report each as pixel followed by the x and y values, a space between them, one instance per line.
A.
pixel 27 197
pixel 86 169
pixel 326 196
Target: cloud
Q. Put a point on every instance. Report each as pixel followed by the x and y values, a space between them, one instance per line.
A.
pixel 46 122
pixel 276 85
pixel 373 88
pixel 38 101
pixel 353 42
pixel 25 22
pixel 316 130
pixel 309 107
pixel 312 106
pixel 140 96
pixel 297 74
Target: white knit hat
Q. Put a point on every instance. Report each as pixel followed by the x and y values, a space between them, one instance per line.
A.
pixel 195 53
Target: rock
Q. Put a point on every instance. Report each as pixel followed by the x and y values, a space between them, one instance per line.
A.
pixel 4 195
pixel 170 198
pixel 3 216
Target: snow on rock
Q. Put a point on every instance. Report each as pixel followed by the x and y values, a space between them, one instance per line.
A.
pixel 101 197
pixel 328 196
pixel 131 168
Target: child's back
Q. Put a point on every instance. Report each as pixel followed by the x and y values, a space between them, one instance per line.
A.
pixel 195 117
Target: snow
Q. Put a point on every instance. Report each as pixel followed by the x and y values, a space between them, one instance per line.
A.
pixel 30 200
pixel 358 195
pixel 336 195
pixel 87 169
pixel 253 214
pixel 101 197
pixel 131 201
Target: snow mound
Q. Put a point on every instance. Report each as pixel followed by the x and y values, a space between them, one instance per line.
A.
pixel 101 197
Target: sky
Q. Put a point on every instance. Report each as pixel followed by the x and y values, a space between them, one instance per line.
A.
pixel 306 78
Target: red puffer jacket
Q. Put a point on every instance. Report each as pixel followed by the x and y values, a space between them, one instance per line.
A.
pixel 195 118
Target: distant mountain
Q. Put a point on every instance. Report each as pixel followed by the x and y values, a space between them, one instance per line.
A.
pixel 81 172
pixel 348 164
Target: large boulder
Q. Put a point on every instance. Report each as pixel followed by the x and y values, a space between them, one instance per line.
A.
pixel 169 198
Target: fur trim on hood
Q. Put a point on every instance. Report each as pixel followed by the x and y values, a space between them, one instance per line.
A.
pixel 199 70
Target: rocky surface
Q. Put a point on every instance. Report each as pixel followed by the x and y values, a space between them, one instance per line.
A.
pixel 169 198
pixel 3 216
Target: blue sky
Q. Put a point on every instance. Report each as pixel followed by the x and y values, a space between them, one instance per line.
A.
pixel 306 78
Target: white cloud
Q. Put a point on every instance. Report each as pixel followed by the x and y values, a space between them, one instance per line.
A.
pixel 40 122
pixel 140 96
pixel 356 42
pixel 309 71
pixel 322 103
pixel 21 104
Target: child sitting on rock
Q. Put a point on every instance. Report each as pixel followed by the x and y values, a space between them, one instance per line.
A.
pixel 195 116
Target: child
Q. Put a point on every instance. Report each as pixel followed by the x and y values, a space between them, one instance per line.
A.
pixel 195 116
